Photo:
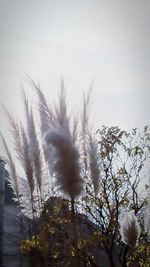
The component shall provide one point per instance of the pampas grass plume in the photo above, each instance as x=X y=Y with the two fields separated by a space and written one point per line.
x=65 y=162
x=94 y=164
x=130 y=230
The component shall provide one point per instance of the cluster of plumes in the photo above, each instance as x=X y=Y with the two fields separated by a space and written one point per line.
x=130 y=230
x=28 y=152
x=60 y=145
x=67 y=144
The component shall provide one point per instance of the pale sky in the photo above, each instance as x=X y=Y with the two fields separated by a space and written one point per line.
x=81 y=40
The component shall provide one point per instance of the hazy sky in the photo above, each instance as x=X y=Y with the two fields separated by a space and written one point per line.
x=81 y=40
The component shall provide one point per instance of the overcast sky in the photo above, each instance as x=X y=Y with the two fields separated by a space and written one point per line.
x=81 y=40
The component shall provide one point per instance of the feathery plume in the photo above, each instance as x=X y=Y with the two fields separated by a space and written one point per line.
x=85 y=112
x=130 y=230
x=94 y=164
x=26 y=159
x=65 y=162
x=15 y=131
x=33 y=144
x=47 y=122
x=35 y=151
x=75 y=129
x=46 y=114
x=13 y=173
x=21 y=143
x=60 y=112
x=26 y=108
x=85 y=125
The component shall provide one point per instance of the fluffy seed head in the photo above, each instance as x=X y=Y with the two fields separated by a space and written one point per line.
x=65 y=162
x=130 y=230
